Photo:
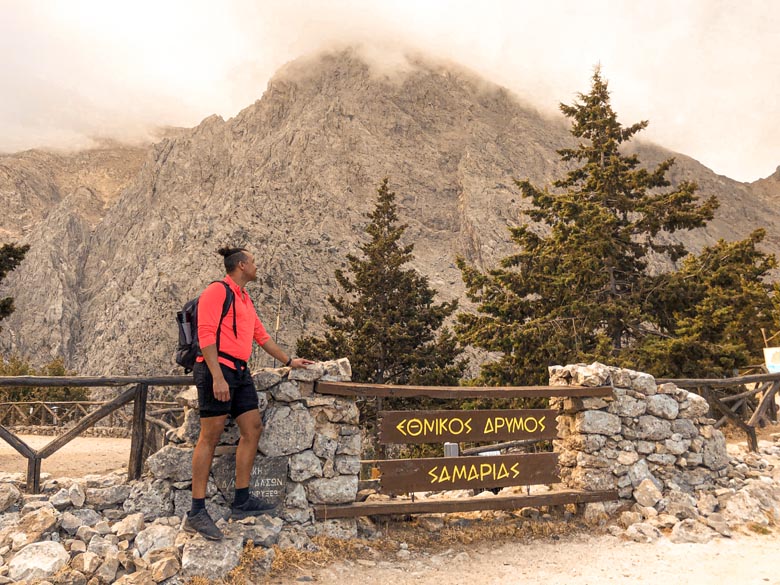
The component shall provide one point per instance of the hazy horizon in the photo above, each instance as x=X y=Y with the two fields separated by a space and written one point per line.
x=705 y=73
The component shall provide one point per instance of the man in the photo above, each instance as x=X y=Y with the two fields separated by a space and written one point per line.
x=225 y=387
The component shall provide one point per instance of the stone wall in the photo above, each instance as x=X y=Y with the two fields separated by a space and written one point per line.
x=309 y=452
x=647 y=441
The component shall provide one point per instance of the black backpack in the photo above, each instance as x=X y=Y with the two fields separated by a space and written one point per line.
x=187 y=320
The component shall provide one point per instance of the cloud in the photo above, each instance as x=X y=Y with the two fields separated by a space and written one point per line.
x=704 y=72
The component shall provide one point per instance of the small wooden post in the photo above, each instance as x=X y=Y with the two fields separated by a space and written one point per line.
x=135 y=466
x=34 y=474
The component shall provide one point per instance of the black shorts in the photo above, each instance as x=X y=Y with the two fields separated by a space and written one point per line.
x=243 y=396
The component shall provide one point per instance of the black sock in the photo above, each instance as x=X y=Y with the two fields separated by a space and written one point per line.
x=198 y=504
x=242 y=495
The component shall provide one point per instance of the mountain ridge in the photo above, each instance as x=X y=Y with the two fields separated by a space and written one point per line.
x=292 y=176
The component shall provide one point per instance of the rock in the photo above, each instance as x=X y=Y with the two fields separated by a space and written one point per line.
x=639 y=472
x=101 y=498
x=36 y=561
x=347 y=464
x=87 y=516
x=691 y=531
x=264 y=532
x=742 y=508
x=714 y=455
x=106 y=573
x=9 y=496
x=430 y=522
x=61 y=499
x=128 y=528
x=188 y=398
x=628 y=406
x=289 y=429
x=719 y=524
x=32 y=527
x=324 y=446
x=694 y=407
x=265 y=379
x=189 y=431
x=595 y=421
x=143 y=577
x=642 y=532
x=662 y=406
x=164 y=568
x=152 y=498
x=342 y=529
x=77 y=494
x=305 y=465
x=286 y=392
x=628 y=518
x=647 y=493
x=685 y=428
x=209 y=559
x=679 y=504
x=86 y=562
x=102 y=546
x=338 y=490
x=154 y=537
x=172 y=463
x=643 y=383
x=308 y=374
x=349 y=445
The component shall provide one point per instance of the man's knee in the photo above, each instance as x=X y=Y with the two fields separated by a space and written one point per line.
x=250 y=425
x=211 y=429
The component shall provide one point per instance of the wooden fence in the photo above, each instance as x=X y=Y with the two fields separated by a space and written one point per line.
x=137 y=393
x=399 y=476
x=734 y=401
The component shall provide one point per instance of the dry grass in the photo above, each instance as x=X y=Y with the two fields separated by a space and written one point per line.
x=759 y=529
x=500 y=528
x=330 y=550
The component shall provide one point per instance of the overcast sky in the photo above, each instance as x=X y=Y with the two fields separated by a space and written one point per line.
x=705 y=73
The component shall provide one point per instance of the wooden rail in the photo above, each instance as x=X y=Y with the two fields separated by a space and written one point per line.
x=138 y=394
x=389 y=391
x=767 y=384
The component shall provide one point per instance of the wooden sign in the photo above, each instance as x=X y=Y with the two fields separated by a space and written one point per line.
x=452 y=473
x=441 y=426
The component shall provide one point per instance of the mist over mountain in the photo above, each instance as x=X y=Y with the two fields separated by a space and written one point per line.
x=122 y=236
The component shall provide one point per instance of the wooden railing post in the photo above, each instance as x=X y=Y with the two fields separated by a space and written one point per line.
x=135 y=466
x=34 y=474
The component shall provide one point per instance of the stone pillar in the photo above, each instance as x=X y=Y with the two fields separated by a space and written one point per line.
x=309 y=452
x=647 y=441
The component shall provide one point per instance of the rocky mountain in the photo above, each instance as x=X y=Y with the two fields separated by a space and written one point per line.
x=291 y=177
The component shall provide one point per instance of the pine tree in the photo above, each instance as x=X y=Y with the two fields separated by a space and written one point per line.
x=712 y=311
x=385 y=318
x=577 y=288
x=11 y=255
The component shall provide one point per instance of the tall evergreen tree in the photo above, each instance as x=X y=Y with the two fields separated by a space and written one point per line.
x=385 y=318
x=577 y=288
x=11 y=255
x=712 y=311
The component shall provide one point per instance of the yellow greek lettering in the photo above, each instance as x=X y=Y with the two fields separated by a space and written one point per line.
x=414 y=427
x=433 y=475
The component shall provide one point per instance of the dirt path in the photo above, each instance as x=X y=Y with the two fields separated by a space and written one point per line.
x=573 y=560
x=82 y=456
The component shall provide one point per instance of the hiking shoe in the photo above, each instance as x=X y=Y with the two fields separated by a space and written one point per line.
x=201 y=523
x=252 y=507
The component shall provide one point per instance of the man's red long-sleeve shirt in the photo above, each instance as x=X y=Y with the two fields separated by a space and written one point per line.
x=248 y=324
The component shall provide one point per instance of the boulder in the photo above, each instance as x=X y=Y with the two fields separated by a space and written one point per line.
x=38 y=561
x=288 y=430
x=209 y=559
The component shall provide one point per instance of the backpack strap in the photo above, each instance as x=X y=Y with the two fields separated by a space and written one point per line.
x=230 y=298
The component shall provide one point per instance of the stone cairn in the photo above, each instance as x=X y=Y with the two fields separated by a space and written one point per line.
x=102 y=529
x=657 y=446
